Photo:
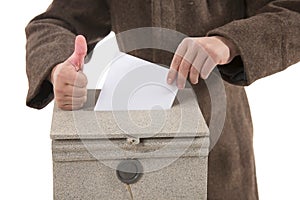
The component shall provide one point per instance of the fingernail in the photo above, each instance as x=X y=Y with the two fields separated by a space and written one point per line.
x=169 y=81
x=77 y=68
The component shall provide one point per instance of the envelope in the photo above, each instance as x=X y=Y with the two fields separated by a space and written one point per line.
x=128 y=82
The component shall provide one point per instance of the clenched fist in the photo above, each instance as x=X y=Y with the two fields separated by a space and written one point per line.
x=198 y=56
x=69 y=83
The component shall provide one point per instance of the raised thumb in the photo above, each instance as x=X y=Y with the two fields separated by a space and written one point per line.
x=77 y=58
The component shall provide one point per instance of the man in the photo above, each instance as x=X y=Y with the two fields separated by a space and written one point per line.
x=247 y=39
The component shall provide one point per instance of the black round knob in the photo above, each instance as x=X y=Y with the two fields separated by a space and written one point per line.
x=129 y=171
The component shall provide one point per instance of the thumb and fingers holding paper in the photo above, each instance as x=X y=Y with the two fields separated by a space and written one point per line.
x=130 y=83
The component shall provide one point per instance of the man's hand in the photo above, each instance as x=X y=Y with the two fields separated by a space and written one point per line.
x=198 y=56
x=69 y=83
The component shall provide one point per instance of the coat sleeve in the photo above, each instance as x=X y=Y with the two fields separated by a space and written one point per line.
x=268 y=41
x=50 y=40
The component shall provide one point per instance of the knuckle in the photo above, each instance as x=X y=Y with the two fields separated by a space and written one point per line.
x=69 y=108
x=75 y=100
x=60 y=76
x=85 y=92
x=76 y=90
x=188 y=60
x=207 y=47
x=57 y=82
x=182 y=45
x=177 y=59
x=59 y=91
x=77 y=107
x=85 y=80
x=184 y=70
x=61 y=107
x=194 y=71
x=81 y=80
x=59 y=99
x=187 y=40
x=59 y=104
x=194 y=44
x=175 y=62
x=185 y=67
x=81 y=92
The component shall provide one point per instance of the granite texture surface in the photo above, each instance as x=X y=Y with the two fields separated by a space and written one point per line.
x=182 y=120
x=184 y=179
x=172 y=147
x=76 y=150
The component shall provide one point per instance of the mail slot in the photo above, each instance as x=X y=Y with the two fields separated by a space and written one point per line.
x=123 y=155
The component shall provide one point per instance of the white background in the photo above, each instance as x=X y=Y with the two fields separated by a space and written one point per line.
x=25 y=146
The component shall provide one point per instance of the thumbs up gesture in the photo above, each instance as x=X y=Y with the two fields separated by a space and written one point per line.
x=69 y=82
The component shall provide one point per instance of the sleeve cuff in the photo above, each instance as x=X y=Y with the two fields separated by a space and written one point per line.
x=43 y=97
x=234 y=72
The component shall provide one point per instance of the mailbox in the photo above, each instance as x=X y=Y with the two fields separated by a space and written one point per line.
x=119 y=155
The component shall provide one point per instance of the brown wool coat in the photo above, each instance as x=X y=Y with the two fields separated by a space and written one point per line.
x=266 y=33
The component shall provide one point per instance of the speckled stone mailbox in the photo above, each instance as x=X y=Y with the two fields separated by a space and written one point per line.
x=121 y=155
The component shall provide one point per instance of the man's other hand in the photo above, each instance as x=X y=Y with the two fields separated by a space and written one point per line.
x=198 y=56
x=69 y=82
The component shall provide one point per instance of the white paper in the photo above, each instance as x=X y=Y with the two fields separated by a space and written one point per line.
x=98 y=61
x=126 y=82
x=135 y=84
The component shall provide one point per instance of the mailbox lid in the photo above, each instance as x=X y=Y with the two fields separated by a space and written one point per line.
x=184 y=119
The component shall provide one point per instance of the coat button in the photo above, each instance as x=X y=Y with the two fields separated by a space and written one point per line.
x=129 y=171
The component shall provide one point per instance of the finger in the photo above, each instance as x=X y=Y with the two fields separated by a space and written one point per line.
x=71 y=91
x=71 y=100
x=207 y=68
x=194 y=75
x=184 y=67
x=183 y=47
x=70 y=107
x=197 y=66
x=172 y=74
x=80 y=50
x=177 y=59
x=75 y=91
x=200 y=59
x=77 y=79
x=66 y=74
